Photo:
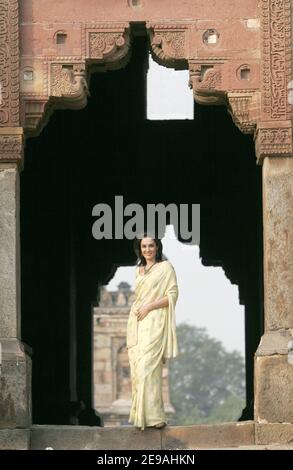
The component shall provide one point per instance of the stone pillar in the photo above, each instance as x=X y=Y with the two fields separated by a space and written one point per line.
x=15 y=372
x=273 y=373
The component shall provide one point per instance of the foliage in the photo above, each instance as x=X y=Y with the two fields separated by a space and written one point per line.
x=207 y=383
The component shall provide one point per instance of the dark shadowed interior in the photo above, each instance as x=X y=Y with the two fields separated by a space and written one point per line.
x=109 y=148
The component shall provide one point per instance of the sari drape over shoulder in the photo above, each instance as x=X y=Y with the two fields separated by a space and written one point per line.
x=150 y=341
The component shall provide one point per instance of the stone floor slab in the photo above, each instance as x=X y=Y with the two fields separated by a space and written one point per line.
x=94 y=438
x=14 y=439
x=208 y=436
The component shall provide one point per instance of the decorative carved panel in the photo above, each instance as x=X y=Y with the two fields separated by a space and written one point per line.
x=9 y=63
x=69 y=84
x=274 y=140
x=64 y=79
x=11 y=145
x=206 y=82
x=107 y=43
x=276 y=58
x=169 y=44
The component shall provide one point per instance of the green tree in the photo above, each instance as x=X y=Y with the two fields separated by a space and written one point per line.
x=207 y=383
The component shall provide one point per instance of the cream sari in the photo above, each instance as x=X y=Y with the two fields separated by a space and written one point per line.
x=150 y=341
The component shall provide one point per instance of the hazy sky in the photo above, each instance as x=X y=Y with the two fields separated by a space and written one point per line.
x=168 y=93
x=206 y=296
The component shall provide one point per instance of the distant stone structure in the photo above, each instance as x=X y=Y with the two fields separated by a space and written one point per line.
x=112 y=382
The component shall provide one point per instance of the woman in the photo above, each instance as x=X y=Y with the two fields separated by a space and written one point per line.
x=151 y=332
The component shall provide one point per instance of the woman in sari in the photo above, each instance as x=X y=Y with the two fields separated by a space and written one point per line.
x=151 y=333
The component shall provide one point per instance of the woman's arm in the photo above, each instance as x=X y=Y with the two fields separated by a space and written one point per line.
x=147 y=308
x=163 y=302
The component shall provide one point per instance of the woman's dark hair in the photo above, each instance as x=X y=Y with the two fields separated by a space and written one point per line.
x=137 y=248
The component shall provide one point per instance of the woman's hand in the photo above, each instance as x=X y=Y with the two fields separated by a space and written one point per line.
x=142 y=312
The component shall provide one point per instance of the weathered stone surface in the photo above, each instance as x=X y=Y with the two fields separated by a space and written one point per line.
x=276 y=433
x=278 y=242
x=93 y=438
x=15 y=385
x=208 y=436
x=14 y=439
x=9 y=254
x=273 y=390
x=274 y=342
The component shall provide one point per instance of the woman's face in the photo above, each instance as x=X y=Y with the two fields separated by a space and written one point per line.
x=148 y=249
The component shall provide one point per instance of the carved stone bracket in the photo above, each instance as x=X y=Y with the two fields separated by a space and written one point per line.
x=66 y=88
x=274 y=139
x=169 y=44
x=68 y=85
x=244 y=108
x=206 y=82
x=65 y=80
x=11 y=145
x=36 y=112
x=210 y=88
x=107 y=45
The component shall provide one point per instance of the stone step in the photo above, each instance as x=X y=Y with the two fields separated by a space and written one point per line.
x=238 y=436
x=129 y=438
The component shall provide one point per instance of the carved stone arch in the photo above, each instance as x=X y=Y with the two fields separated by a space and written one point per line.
x=210 y=79
x=252 y=83
x=62 y=82
x=246 y=65
x=177 y=45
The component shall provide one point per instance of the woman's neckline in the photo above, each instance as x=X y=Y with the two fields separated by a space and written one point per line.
x=144 y=274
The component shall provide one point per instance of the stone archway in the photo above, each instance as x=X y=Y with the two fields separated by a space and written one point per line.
x=249 y=75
